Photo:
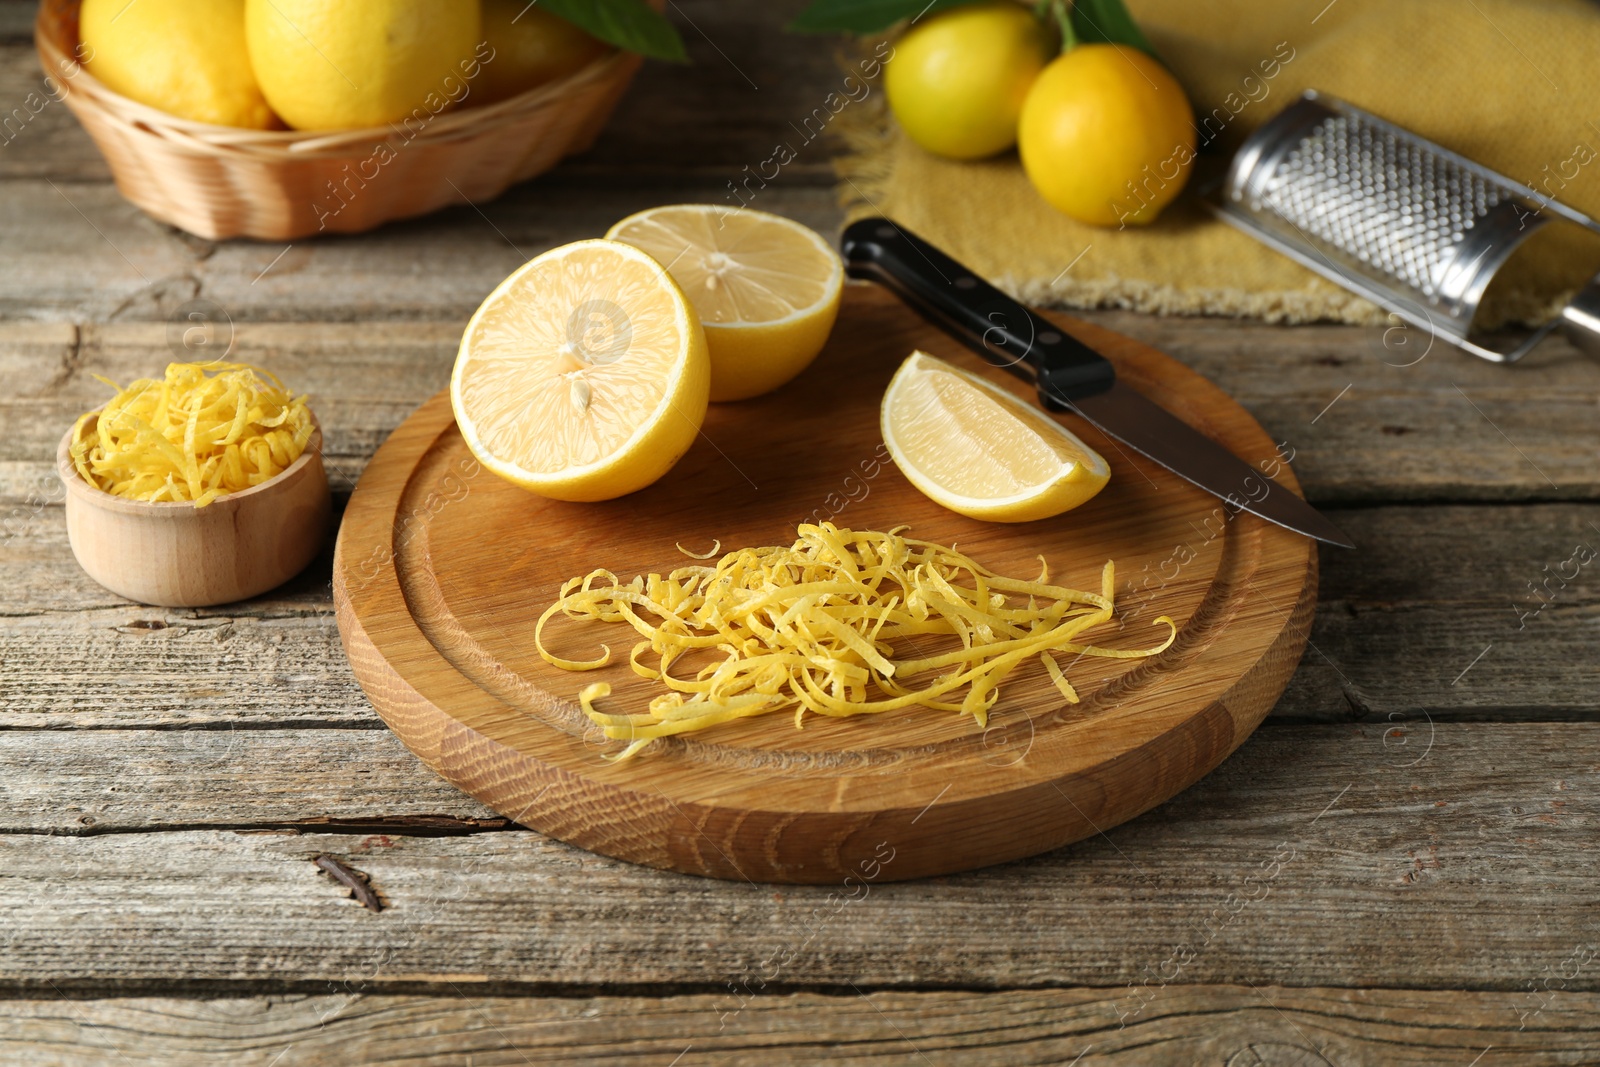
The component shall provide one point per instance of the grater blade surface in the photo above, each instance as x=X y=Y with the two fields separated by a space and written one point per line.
x=1395 y=205
x=1404 y=222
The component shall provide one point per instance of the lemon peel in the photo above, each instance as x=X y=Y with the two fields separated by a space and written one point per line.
x=200 y=432
x=814 y=627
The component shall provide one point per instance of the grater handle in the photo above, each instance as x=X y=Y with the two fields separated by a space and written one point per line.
x=1580 y=319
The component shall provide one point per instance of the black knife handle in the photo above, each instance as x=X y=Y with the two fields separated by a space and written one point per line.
x=976 y=313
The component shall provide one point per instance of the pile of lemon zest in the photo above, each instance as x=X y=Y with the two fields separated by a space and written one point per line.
x=202 y=431
x=813 y=627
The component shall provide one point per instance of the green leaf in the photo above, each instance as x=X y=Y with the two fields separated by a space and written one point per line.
x=864 y=16
x=629 y=24
x=1108 y=22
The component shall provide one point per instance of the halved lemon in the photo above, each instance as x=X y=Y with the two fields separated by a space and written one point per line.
x=976 y=449
x=584 y=375
x=766 y=288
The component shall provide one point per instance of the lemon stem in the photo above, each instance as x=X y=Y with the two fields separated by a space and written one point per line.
x=1062 y=11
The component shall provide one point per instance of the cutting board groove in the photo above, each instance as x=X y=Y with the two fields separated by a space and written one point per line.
x=441 y=571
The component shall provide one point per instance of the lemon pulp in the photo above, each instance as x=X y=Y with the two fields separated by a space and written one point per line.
x=765 y=287
x=584 y=376
x=977 y=450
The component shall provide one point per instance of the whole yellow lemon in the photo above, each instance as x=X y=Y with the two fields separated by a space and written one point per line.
x=956 y=81
x=185 y=57
x=1107 y=135
x=356 y=63
x=529 y=46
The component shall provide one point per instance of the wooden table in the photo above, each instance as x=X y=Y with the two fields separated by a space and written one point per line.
x=1400 y=867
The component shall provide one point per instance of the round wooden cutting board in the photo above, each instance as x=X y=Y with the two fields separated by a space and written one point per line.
x=442 y=570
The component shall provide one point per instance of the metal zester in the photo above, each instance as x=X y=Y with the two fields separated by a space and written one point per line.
x=1411 y=226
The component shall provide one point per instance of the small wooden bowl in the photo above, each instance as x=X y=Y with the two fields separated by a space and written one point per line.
x=177 y=555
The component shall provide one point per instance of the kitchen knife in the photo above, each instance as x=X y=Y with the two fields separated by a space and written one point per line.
x=1069 y=375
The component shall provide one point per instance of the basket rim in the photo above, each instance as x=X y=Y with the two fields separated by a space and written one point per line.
x=445 y=125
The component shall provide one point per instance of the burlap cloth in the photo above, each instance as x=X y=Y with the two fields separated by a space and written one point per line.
x=1513 y=84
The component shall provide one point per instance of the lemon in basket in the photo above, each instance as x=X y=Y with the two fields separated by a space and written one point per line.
x=766 y=288
x=584 y=375
x=530 y=47
x=358 y=63
x=185 y=57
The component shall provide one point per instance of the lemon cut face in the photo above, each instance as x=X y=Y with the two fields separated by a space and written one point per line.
x=765 y=287
x=979 y=451
x=584 y=376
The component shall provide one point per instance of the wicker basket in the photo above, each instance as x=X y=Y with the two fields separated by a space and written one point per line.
x=219 y=181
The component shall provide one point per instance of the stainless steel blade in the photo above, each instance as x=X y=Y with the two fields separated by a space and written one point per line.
x=1126 y=414
x=1060 y=366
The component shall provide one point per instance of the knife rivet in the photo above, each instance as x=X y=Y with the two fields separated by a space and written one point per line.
x=1049 y=337
x=884 y=231
x=966 y=283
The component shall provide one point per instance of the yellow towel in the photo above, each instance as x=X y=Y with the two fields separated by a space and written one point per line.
x=1513 y=84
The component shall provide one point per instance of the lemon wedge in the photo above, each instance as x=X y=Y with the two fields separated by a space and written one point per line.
x=979 y=451
x=766 y=288
x=584 y=375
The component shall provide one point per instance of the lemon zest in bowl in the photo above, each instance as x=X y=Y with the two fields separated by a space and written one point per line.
x=815 y=627
x=202 y=431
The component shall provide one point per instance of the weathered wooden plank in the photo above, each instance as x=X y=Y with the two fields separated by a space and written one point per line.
x=79 y=252
x=1455 y=613
x=727 y=108
x=1468 y=863
x=39 y=138
x=255 y=776
x=16 y=21
x=750 y=85
x=126 y=665
x=1233 y=1025
x=1431 y=617
x=1377 y=415
x=108 y=781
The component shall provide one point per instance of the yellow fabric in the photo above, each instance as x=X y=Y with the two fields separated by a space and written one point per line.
x=1513 y=84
